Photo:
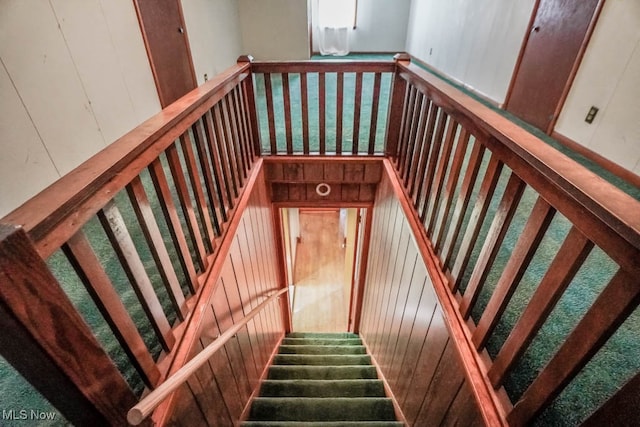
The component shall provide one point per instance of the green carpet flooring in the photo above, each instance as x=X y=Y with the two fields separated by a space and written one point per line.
x=321 y=379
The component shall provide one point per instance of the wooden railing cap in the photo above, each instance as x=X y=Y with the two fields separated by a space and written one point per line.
x=245 y=58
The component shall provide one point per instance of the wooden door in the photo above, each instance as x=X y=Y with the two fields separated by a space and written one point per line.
x=165 y=38
x=558 y=34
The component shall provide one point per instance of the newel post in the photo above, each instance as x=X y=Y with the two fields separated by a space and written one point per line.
x=396 y=107
x=49 y=344
x=250 y=105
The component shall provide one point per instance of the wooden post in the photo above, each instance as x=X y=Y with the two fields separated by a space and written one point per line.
x=394 y=122
x=251 y=106
x=65 y=361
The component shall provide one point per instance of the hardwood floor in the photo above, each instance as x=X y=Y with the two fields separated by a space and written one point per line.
x=321 y=300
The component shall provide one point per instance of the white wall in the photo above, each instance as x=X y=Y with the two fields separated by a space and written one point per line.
x=381 y=26
x=474 y=42
x=213 y=27
x=74 y=77
x=609 y=78
x=275 y=29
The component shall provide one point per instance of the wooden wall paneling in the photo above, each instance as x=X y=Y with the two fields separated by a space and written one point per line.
x=367 y=193
x=196 y=185
x=439 y=179
x=462 y=412
x=448 y=241
x=313 y=172
x=114 y=226
x=90 y=271
x=274 y=171
x=350 y=192
x=187 y=208
x=173 y=223
x=449 y=190
x=211 y=180
x=293 y=172
x=357 y=103
x=568 y=260
x=372 y=172
x=524 y=250
x=431 y=355
x=375 y=105
x=445 y=385
x=614 y=304
x=424 y=198
x=476 y=220
x=322 y=113
x=498 y=229
x=334 y=172
x=34 y=308
x=149 y=226
x=187 y=411
x=354 y=172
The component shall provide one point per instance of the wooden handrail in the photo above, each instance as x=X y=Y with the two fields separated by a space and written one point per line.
x=144 y=408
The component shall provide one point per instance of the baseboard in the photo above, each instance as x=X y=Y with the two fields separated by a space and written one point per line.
x=600 y=160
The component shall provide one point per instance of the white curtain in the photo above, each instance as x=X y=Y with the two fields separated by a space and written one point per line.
x=335 y=21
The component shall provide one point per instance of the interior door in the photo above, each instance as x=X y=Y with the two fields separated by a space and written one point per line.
x=549 y=59
x=167 y=45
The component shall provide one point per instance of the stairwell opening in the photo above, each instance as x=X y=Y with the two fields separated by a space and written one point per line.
x=322 y=248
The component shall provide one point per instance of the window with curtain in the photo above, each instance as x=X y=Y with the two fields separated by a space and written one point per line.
x=336 y=19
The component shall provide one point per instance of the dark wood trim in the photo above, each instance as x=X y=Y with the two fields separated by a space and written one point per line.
x=327 y=66
x=599 y=159
x=282 y=267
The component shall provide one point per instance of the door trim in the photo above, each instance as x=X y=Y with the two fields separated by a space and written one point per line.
x=574 y=68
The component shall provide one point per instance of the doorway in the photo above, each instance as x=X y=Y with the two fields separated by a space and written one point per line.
x=322 y=259
x=551 y=53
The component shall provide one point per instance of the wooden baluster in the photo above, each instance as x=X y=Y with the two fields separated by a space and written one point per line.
x=357 y=102
x=322 y=107
x=426 y=139
x=415 y=139
x=435 y=195
x=405 y=132
x=339 y=111
x=122 y=243
x=235 y=136
x=173 y=221
x=287 y=112
x=521 y=256
x=499 y=226
x=562 y=270
x=221 y=179
x=214 y=193
x=452 y=182
x=396 y=112
x=223 y=147
x=614 y=304
x=142 y=209
x=468 y=182
x=198 y=192
x=245 y=138
x=475 y=220
x=90 y=271
x=375 y=106
x=231 y=149
x=422 y=150
x=270 y=113
x=65 y=361
x=428 y=180
x=187 y=208
x=304 y=101
x=249 y=108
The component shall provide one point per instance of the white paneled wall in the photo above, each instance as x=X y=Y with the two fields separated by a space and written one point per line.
x=609 y=78
x=74 y=77
x=213 y=27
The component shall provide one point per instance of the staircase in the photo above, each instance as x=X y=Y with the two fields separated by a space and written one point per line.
x=320 y=379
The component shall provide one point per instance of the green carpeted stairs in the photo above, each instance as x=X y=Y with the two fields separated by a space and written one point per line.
x=320 y=379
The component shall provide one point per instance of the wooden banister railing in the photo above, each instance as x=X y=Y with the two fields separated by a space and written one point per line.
x=489 y=196
x=143 y=409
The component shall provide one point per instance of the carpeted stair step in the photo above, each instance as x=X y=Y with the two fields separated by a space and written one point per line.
x=315 y=388
x=310 y=372
x=322 y=409
x=322 y=335
x=322 y=341
x=322 y=424
x=322 y=349
x=322 y=359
